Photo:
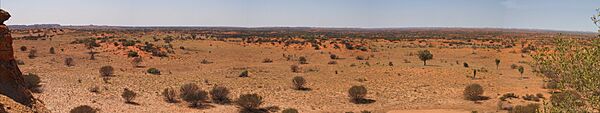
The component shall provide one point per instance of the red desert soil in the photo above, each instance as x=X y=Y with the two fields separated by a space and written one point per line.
x=405 y=87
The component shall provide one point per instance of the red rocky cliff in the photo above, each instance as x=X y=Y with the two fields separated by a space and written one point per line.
x=11 y=79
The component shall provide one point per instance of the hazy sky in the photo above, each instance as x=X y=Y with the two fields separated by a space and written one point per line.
x=539 y=14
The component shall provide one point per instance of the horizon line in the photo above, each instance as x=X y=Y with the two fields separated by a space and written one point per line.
x=324 y=27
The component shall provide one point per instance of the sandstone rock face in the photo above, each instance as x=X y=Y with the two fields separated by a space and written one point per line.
x=11 y=79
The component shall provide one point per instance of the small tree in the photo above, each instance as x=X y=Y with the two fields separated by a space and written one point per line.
x=170 y=94
x=128 y=95
x=497 y=63
x=473 y=92
x=220 y=94
x=52 y=51
x=357 y=94
x=299 y=83
x=425 y=55
x=249 y=102
x=521 y=70
x=474 y=73
x=106 y=71
x=83 y=109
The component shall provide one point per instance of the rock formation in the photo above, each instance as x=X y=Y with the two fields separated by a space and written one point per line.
x=11 y=79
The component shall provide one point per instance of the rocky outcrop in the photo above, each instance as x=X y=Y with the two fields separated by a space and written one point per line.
x=11 y=79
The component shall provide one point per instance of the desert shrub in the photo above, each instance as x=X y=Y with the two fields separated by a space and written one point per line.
x=52 y=51
x=333 y=56
x=332 y=62
x=465 y=65
x=158 y=53
x=360 y=58
x=32 y=82
x=204 y=61
x=69 y=62
x=32 y=54
x=508 y=96
x=513 y=66
x=84 y=109
x=106 y=71
x=289 y=110
x=170 y=95
x=128 y=43
x=153 y=71
x=295 y=68
x=267 y=60
x=192 y=94
x=128 y=95
x=299 y=82
x=529 y=108
x=540 y=95
x=249 y=102
x=425 y=55
x=531 y=97
x=136 y=61
x=365 y=111
x=473 y=92
x=23 y=48
x=357 y=94
x=132 y=54
x=303 y=60
x=220 y=95
x=94 y=89
x=244 y=73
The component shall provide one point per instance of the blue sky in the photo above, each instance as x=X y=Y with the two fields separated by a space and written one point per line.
x=573 y=15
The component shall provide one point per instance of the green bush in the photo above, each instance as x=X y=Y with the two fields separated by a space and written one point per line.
x=153 y=71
